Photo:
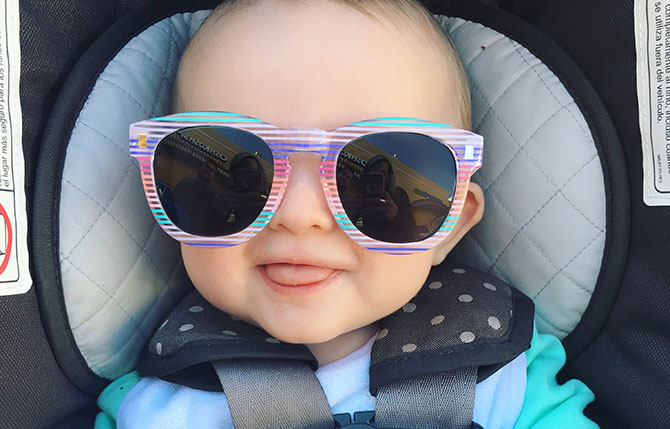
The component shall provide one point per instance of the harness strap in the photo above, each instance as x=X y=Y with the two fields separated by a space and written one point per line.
x=265 y=393
x=439 y=400
x=273 y=393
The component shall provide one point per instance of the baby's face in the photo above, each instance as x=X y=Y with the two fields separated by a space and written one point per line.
x=318 y=65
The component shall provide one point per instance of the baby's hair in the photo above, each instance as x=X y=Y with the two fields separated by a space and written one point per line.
x=411 y=9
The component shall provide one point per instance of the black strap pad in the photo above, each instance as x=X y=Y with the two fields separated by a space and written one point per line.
x=197 y=333
x=462 y=317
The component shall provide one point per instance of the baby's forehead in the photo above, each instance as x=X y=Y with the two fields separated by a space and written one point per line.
x=314 y=49
x=403 y=16
x=406 y=16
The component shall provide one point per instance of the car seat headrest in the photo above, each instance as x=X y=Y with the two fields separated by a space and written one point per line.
x=543 y=230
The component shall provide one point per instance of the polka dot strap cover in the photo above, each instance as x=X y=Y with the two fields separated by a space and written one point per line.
x=197 y=333
x=462 y=317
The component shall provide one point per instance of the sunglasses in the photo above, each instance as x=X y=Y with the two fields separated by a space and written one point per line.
x=395 y=185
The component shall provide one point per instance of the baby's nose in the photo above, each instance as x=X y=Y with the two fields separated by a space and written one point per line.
x=304 y=206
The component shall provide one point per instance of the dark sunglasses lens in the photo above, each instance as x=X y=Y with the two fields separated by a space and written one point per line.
x=213 y=181
x=396 y=187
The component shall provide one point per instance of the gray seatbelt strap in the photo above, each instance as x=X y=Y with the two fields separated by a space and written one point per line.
x=443 y=400
x=273 y=393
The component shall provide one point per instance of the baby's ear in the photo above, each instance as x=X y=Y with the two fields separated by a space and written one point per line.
x=472 y=212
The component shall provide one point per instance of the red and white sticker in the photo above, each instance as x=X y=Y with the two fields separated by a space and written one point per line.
x=14 y=271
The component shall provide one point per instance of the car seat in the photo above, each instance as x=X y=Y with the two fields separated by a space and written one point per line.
x=553 y=93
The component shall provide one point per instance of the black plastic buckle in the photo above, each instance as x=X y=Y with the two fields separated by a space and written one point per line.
x=362 y=419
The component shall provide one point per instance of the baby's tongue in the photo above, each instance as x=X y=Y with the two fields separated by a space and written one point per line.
x=289 y=274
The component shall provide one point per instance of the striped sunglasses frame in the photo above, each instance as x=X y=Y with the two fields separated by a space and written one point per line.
x=466 y=148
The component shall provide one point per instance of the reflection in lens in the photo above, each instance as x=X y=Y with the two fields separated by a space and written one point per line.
x=396 y=187
x=213 y=181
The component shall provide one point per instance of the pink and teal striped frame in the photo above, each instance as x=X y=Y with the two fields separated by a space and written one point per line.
x=465 y=146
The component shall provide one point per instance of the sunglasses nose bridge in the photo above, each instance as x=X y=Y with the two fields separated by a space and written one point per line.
x=314 y=141
x=308 y=140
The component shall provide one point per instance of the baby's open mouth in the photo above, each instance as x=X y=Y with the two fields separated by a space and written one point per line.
x=297 y=275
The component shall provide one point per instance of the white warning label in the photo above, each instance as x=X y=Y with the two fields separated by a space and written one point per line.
x=14 y=271
x=652 y=42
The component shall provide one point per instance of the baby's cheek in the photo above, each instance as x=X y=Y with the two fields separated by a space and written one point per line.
x=196 y=263
x=213 y=274
x=395 y=280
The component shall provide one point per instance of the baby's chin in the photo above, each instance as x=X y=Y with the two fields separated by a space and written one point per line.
x=312 y=335
x=293 y=332
x=292 y=329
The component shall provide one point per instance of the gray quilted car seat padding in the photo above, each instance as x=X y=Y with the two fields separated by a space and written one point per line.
x=543 y=230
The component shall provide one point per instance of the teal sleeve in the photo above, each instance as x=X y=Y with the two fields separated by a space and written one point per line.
x=546 y=403
x=110 y=399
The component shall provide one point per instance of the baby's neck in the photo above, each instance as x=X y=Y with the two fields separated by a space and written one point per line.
x=341 y=346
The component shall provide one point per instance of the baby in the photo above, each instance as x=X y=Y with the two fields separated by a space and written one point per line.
x=302 y=279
